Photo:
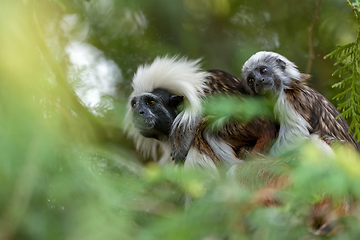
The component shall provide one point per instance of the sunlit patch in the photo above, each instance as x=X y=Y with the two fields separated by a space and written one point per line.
x=93 y=76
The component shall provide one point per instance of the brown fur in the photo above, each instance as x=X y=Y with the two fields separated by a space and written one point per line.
x=255 y=136
x=320 y=113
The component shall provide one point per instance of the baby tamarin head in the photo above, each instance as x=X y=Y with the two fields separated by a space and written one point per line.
x=269 y=71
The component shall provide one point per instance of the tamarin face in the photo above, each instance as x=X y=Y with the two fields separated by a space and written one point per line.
x=269 y=71
x=154 y=112
x=262 y=79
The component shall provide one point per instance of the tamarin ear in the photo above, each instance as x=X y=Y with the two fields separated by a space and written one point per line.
x=281 y=63
x=175 y=100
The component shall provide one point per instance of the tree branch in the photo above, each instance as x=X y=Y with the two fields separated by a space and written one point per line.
x=311 y=37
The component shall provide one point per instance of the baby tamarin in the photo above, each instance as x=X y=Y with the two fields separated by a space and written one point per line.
x=302 y=111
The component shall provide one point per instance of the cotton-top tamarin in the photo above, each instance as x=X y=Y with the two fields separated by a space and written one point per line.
x=302 y=111
x=165 y=112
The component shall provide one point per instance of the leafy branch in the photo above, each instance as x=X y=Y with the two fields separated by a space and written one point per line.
x=348 y=57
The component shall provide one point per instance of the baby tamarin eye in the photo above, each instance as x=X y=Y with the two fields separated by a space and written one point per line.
x=263 y=70
x=150 y=103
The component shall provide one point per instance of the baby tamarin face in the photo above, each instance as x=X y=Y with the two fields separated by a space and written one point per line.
x=268 y=71
x=262 y=79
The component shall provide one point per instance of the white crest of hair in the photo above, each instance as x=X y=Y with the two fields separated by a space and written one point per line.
x=269 y=59
x=177 y=75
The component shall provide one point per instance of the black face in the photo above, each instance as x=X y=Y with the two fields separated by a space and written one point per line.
x=154 y=113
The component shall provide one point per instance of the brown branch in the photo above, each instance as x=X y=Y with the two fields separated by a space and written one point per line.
x=311 y=36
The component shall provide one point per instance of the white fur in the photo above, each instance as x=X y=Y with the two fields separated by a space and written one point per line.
x=321 y=145
x=231 y=174
x=293 y=127
x=222 y=150
x=196 y=160
x=178 y=75
x=294 y=130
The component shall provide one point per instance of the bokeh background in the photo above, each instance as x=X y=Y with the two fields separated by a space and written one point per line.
x=100 y=44
x=67 y=170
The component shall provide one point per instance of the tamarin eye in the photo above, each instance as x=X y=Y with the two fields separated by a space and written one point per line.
x=150 y=103
x=263 y=70
x=250 y=80
x=133 y=104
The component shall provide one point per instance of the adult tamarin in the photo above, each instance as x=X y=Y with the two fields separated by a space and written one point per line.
x=156 y=121
x=302 y=111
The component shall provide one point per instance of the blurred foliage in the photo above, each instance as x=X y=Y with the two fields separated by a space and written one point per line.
x=69 y=172
x=222 y=108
